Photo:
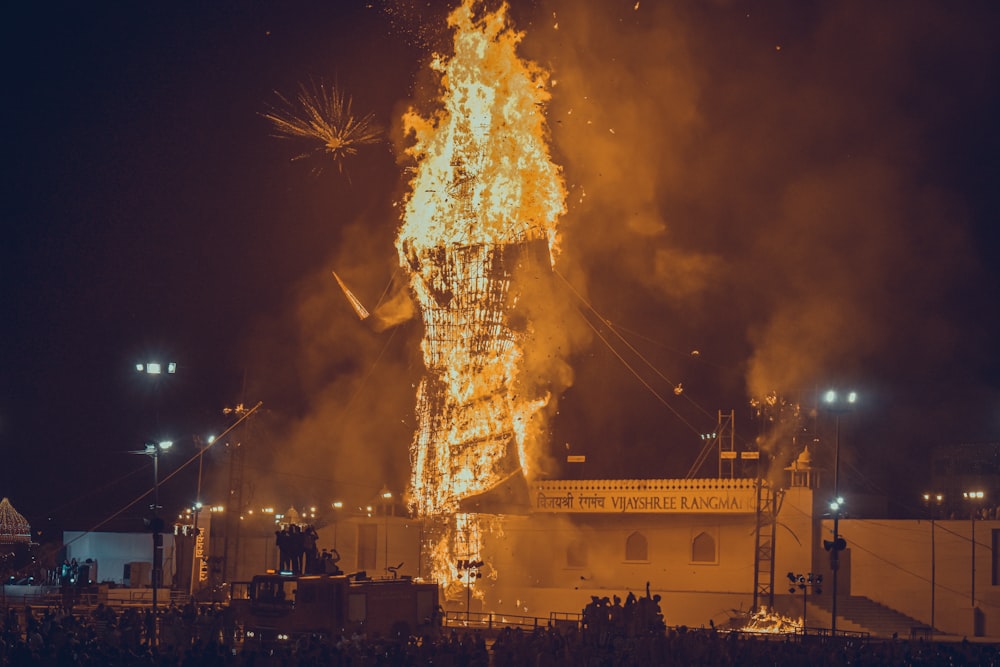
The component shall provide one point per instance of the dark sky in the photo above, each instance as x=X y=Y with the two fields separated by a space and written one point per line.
x=802 y=192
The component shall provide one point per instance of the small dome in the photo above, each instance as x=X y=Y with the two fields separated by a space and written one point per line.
x=14 y=528
x=805 y=458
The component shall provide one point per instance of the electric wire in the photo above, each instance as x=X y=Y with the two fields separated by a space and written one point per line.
x=590 y=307
x=191 y=460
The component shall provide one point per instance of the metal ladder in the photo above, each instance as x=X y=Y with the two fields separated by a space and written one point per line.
x=763 y=573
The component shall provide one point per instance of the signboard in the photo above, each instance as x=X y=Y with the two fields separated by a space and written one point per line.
x=717 y=497
x=200 y=540
x=576 y=458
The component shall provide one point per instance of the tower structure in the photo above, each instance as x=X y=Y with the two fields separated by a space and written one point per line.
x=481 y=214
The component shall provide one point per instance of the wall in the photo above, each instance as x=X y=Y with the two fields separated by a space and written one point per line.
x=557 y=562
x=891 y=564
x=113 y=550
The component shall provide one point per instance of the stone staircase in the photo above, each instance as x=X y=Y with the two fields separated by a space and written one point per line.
x=872 y=617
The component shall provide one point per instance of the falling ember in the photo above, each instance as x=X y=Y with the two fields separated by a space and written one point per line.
x=481 y=214
x=321 y=115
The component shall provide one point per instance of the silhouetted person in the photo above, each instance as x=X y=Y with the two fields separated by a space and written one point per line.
x=297 y=548
x=309 y=539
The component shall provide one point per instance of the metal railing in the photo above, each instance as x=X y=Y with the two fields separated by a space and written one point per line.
x=84 y=600
x=496 y=621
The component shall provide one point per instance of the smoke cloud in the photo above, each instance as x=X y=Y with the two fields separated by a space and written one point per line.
x=759 y=201
x=764 y=185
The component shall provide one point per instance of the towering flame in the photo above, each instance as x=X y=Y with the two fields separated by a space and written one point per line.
x=481 y=214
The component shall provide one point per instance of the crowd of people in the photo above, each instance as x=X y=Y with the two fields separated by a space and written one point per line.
x=612 y=634
x=298 y=551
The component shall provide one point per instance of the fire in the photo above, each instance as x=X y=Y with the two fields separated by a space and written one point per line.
x=765 y=621
x=483 y=208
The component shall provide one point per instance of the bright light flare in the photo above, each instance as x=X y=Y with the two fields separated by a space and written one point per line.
x=155 y=368
x=833 y=398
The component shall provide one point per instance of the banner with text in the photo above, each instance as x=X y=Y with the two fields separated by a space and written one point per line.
x=737 y=500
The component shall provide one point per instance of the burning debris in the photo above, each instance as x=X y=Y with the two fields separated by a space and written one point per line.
x=765 y=621
x=321 y=115
x=355 y=302
x=481 y=215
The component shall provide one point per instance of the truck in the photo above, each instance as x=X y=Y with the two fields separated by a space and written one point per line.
x=281 y=607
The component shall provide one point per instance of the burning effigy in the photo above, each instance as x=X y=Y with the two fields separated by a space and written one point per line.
x=480 y=215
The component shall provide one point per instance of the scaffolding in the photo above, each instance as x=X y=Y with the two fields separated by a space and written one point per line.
x=465 y=442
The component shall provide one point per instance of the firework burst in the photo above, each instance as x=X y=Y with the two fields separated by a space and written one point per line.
x=321 y=115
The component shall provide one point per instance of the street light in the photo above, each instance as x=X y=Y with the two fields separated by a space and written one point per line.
x=154 y=449
x=473 y=569
x=837 y=404
x=337 y=505
x=156 y=368
x=933 y=501
x=805 y=582
x=386 y=496
x=975 y=499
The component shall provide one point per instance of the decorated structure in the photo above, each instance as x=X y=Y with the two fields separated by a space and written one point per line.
x=17 y=551
x=480 y=218
x=14 y=528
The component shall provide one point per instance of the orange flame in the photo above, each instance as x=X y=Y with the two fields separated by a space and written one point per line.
x=767 y=621
x=484 y=200
x=485 y=174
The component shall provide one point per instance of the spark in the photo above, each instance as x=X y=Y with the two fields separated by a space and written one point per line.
x=322 y=115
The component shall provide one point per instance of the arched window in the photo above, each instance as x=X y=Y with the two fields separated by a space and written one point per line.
x=636 y=547
x=576 y=554
x=703 y=548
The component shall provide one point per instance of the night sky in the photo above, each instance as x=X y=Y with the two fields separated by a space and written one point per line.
x=763 y=197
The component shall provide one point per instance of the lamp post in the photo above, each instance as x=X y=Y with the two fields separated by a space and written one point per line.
x=155 y=369
x=837 y=404
x=804 y=582
x=473 y=570
x=154 y=449
x=337 y=505
x=386 y=495
x=975 y=499
x=933 y=501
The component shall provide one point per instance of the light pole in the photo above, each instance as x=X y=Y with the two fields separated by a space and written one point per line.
x=933 y=501
x=337 y=505
x=838 y=405
x=154 y=449
x=155 y=369
x=975 y=498
x=805 y=582
x=473 y=570
x=386 y=495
